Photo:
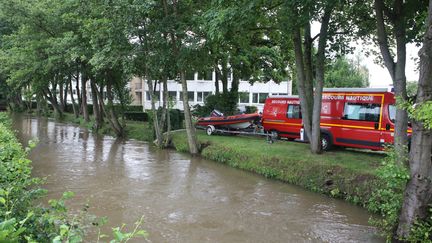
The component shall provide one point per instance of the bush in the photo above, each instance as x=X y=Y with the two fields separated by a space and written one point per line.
x=20 y=220
x=136 y=116
x=387 y=198
x=224 y=102
x=251 y=109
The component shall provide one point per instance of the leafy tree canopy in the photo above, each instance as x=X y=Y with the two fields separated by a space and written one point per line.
x=343 y=72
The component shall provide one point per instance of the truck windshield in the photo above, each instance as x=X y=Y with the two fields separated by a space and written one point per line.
x=392 y=113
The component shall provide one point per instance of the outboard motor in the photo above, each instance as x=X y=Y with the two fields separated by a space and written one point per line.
x=216 y=113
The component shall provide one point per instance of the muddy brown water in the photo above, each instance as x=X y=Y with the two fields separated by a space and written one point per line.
x=182 y=198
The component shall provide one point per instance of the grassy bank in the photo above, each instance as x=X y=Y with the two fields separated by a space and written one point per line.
x=346 y=174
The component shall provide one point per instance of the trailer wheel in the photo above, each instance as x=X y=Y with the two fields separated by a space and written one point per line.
x=326 y=142
x=210 y=129
x=274 y=134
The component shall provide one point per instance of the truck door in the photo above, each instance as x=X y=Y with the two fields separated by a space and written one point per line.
x=387 y=127
x=361 y=125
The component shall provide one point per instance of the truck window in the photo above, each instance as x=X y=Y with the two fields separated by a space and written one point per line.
x=294 y=112
x=392 y=113
x=362 y=112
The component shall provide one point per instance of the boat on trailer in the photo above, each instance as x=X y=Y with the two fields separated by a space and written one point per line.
x=243 y=124
x=236 y=122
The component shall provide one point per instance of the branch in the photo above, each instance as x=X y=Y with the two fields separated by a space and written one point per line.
x=274 y=6
x=315 y=37
x=383 y=38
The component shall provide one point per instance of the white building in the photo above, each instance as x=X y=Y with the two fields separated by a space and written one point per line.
x=198 y=89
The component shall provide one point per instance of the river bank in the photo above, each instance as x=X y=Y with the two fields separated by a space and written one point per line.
x=341 y=173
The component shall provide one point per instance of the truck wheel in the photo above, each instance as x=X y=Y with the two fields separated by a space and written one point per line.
x=274 y=134
x=326 y=142
x=210 y=129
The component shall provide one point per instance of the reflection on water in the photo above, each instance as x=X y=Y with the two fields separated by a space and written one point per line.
x=182 y=198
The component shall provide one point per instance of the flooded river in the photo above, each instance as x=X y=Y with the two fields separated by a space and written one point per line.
x=183 y=199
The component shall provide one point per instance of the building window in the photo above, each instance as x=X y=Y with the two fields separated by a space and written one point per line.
x=191 y=96
x=190 y=75
x=294 y=112
x=262 y=97
x=255 y=97
x=156 y=94
x=202 y=96
x=362 y=112
x=205 y=75
x=259 y=97
x=138 y=96
x=243 y=97
x=138 y=85
x=172 y=95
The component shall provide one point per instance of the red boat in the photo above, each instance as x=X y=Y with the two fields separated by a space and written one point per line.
x=218 y=120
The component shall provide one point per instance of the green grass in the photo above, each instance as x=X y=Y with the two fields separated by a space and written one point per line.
x=340 y=173
x=139 y=131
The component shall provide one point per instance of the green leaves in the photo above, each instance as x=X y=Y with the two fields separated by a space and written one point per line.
x=387 y=198
x=345 y=73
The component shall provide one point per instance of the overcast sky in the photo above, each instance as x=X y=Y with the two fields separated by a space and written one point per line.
x=379 y=76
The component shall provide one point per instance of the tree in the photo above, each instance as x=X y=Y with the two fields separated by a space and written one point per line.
x=243 y=40
x=342 y=72
x=300 y=16
x=397 y=23
x=418 y=193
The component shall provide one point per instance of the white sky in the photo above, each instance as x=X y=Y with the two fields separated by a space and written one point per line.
x=378 y=75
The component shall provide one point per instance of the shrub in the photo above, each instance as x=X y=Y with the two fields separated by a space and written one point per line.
x=20 y=219
x=251 y=109
x=224 y=102
x=136 y=116
x=387 y=198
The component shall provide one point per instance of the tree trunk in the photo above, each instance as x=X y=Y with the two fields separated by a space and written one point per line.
x=65 y=96
x=156 y=126
x=320 y=64
x=217 y=77
x=401 y=124
x=224 y=77
x=96 y=110
x=168 y=120
x=53 y=100
x=75 y=109
x=101 y=101
x=111 y=114
x=418 y=194
x=301 y=79
x=61 y=97
x=78 y=91
x=235 y=82
x=165 y=104
x=308 y=69
x=84 y=97
x=396 y=69
x=190 y=129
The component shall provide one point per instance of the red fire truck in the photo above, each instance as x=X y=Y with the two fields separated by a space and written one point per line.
x=350 y=117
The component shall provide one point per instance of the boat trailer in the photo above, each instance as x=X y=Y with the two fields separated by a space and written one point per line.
x=255 y=130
